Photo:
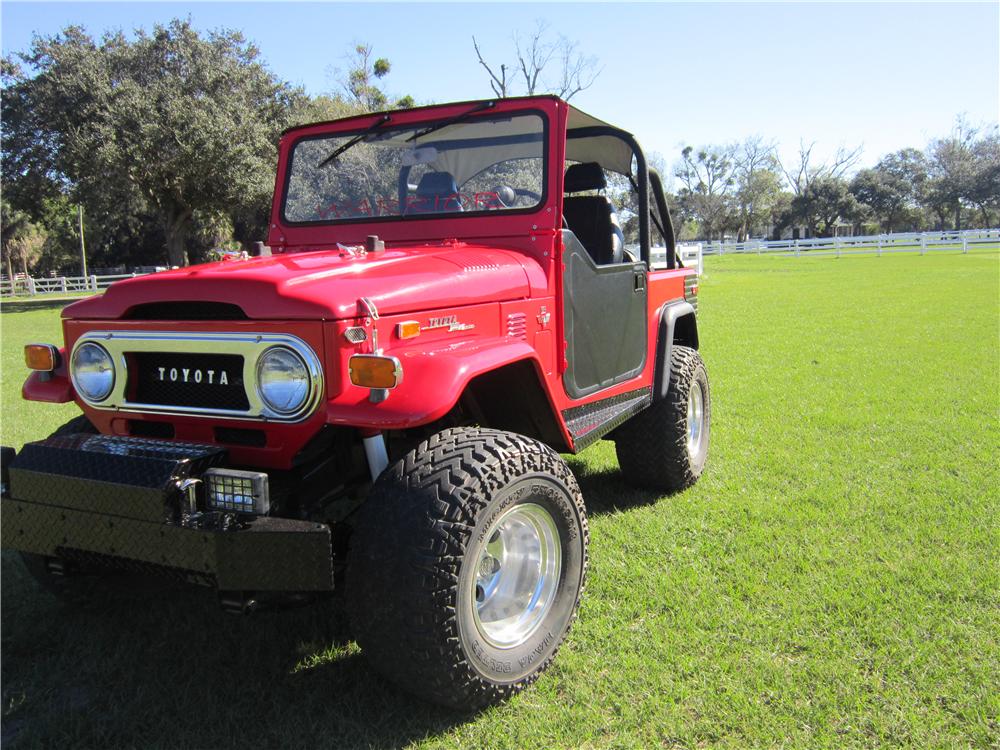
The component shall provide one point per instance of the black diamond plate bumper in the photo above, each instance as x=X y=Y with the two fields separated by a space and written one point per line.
x=116 y=500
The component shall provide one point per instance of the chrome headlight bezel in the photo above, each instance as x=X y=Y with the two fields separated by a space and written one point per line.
x=303 y=384
x=78 y=377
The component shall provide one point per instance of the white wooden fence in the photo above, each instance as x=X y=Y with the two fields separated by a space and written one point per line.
x=26 y=286
x=878 y=244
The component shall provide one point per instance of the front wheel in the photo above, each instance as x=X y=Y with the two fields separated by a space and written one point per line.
x=467 y=565
x=665 y=447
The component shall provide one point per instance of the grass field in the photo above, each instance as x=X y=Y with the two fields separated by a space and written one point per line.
x=832 y=582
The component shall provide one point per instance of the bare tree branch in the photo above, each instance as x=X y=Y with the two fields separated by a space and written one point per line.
x=536 y=53
x=843 y=160
x=535 y=56
x=497 y=83
x=804 y=174
x=578 y=72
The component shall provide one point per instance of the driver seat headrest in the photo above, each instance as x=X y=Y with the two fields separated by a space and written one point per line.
x=437 y=183
x=585 y=176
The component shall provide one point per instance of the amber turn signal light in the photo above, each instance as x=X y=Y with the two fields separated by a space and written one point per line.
x=41 y=357
x=375 y=371
x=408 y=329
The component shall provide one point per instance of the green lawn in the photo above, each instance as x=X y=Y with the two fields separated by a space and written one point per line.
x=833 y=580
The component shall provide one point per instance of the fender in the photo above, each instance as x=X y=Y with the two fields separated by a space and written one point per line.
x=671 y=315
x=433 y=381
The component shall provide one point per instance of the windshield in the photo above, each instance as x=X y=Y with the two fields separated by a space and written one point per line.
x=476 y=166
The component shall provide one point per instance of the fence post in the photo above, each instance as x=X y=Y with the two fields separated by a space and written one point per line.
x=62 y=284
x=965 y=244
x=31 y=286
x=796 y=245
x=93 y=282
x=923 y=243
x=878 y=252
x=836 y=244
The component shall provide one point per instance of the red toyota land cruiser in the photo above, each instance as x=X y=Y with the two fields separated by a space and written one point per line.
x=378 y=403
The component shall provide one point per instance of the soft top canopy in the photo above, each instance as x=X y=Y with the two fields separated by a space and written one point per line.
x=590 y=139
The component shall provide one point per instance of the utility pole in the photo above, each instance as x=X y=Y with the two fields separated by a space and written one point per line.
x=83 y=247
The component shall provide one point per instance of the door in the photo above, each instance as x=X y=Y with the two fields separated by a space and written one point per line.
x=604 y=310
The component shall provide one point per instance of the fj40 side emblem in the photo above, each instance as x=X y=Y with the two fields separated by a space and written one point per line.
x=450 y=322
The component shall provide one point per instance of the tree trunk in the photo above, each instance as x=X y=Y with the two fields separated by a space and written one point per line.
x=958 y=216
x=175 y=227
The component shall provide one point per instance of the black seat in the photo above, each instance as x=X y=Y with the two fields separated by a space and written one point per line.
x=592 y=218
x=437 y=192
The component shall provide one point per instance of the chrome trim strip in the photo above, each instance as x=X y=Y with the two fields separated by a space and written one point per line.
x=248 y=345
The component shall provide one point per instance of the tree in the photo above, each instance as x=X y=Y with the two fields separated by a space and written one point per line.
x=361 y=86
x=891 y=189
x=985 y=192
x=707 y=178
x=952 y=171
x=179 y=121
x=822 y=203
x=534 y=52
x=12 y=224
x=757 y=184
x=25 y=247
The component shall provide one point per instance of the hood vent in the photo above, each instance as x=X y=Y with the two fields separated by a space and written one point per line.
x=186 y=311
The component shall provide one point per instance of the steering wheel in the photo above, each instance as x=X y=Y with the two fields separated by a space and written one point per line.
x=508 y=195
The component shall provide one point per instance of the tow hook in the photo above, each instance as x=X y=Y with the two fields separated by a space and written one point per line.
x=237 y=603
x=248 y=603
x=56 y=567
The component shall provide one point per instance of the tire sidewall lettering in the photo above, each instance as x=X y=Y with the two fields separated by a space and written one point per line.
x=505 y=665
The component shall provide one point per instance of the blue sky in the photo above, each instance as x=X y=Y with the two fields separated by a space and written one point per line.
x=883 y=75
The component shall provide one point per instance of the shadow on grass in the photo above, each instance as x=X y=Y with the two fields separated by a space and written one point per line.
x=606 y=491
x=172 y=670
x=34 y=305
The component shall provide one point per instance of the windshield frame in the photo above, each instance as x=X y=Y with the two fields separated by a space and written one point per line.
x=416 y=126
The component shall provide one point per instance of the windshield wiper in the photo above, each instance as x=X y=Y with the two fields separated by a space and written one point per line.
x=453 y=120
x=355 y=140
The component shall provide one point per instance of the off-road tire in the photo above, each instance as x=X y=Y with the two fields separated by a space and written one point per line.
x=83 y=589
x=411 y=585
x=652 y=447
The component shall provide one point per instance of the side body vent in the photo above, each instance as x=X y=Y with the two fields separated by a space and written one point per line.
x=517 y=325
x=691 y=290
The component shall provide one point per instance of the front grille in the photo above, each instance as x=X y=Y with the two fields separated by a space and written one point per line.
x=204 y=381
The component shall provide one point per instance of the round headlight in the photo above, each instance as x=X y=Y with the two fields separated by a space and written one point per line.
x=93 y=372
x=282 y=380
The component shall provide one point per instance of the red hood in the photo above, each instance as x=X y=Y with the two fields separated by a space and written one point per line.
x=326 y=285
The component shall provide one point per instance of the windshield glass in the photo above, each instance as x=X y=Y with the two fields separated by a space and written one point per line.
x=476 y=166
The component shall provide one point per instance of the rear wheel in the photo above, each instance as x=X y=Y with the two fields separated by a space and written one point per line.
x=467 y=565
x=665 y=447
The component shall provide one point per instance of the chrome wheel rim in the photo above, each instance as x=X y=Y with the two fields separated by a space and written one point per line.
x=516 y=575
x=695 y=418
